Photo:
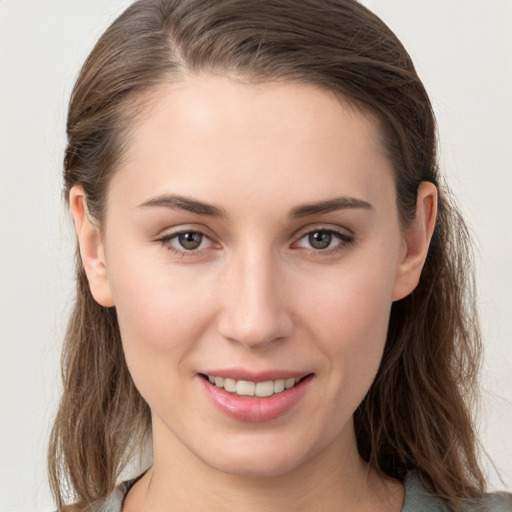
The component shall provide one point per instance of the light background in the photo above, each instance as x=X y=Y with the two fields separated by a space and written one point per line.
x=463 y=52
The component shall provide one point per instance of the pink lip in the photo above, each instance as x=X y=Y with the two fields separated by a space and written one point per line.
x=255 y=409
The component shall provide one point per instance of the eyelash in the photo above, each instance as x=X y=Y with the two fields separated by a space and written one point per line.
x=344 y=240
x=166 y=242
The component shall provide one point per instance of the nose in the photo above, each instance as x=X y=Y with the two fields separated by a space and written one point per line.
x=254 y=302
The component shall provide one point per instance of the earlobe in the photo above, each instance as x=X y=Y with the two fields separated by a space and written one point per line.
x=417 y=241
x=91 y=248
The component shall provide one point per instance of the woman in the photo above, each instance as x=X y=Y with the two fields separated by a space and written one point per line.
x=272 y=284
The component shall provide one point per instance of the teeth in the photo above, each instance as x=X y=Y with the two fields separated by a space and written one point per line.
x=245 y=388
x=289 y=383
x=230 y=385
x=264 y=388
x=278 y=386
x=248 y=388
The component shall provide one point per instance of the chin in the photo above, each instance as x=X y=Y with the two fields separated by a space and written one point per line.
x=257 y=467
x=261 y=459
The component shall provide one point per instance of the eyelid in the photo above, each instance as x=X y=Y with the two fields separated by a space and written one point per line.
x=166 y=237
x=345 y=236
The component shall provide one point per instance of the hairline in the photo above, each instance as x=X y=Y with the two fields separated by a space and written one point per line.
x=142 y=102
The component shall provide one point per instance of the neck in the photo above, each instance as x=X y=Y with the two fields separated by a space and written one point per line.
x=336 y=479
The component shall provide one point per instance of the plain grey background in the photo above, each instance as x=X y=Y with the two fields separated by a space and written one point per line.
x=463 y=52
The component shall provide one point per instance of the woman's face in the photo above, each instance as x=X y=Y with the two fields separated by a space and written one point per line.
x=251 y=238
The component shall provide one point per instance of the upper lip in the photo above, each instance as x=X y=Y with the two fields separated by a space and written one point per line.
x=252 y=376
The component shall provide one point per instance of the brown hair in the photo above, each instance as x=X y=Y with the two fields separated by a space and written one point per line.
x=417 y=414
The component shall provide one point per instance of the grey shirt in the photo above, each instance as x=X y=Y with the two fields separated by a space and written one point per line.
x=417 y=499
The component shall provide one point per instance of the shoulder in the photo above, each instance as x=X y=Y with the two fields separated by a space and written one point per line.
x=114 y=502
x=495 y=502
x=418 y=499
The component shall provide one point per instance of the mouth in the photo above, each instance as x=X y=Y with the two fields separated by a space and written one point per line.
x=256 y=389
x=258 y=400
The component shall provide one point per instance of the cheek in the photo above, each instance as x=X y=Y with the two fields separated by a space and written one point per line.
x=354 y=303
x=162 y=313
x=349 y=320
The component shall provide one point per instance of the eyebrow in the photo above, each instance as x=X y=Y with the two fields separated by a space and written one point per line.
x=177 y=202
x=330 y=205
x=185 y=203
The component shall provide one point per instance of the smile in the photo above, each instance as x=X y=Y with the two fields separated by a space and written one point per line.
x=249 y=388
x=257 y=400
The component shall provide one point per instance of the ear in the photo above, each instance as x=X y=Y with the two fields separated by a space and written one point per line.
x=417 y=241
x=91 y=248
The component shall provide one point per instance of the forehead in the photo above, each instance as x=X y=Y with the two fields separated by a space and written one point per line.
x=218 y=135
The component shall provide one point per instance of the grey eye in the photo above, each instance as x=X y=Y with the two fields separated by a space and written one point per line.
x=320 y=239
x=190 y=240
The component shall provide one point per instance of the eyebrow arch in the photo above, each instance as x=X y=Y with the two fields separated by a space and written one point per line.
x=330 y=205
x=187 y=204
x=200 y=208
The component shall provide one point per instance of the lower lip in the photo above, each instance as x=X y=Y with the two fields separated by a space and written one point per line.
x=255 y=409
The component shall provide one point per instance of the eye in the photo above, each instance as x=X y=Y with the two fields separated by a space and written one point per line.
x=320 y=239
x=326 y=240
x=185 y=243
x=190 y=240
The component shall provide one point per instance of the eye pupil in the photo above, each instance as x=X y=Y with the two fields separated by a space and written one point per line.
x=190 y=240
x=320 y=239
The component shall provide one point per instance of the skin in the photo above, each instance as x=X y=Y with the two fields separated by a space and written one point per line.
x=256 y=293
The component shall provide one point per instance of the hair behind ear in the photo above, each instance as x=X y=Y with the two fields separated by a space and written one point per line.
x=101 y=413
x=418 y=412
